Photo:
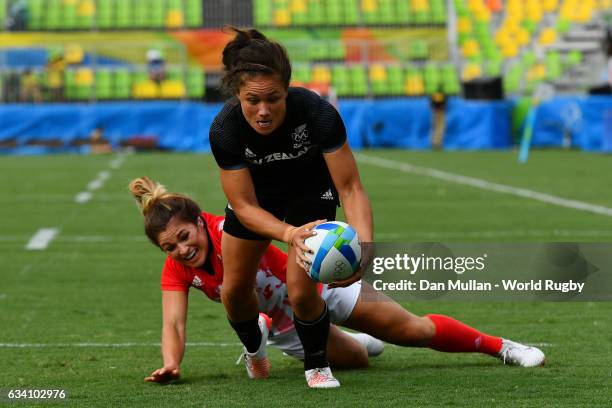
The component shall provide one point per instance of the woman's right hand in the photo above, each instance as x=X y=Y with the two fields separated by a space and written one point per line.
x=164 y=374
x=296 y=237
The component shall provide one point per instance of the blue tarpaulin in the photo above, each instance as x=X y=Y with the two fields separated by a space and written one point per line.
x=476 y=125
x=400 y=123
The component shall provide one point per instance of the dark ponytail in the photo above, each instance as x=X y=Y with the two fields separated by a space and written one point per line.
x=251 y=53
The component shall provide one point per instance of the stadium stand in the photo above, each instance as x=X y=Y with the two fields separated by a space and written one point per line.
x=358 y=48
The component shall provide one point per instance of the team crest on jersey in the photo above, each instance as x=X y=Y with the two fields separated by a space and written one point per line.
x=197 y=282
x=249 y=154
x=300 y=136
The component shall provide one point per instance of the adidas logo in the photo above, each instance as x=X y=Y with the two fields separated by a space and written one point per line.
x=328 y=195
x=197 y=282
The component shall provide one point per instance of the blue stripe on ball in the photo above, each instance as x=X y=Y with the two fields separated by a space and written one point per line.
x=349 y=254
x=326 y=226
x=326 y=245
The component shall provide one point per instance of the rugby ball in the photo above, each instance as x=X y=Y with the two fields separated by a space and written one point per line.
x=337 y=252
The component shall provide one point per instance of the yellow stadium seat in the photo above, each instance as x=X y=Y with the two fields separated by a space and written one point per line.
x=282 y=18
x=321 y=74
x=537 y=72
x=377 y=73
x=298 y=6
x=84 y=77
x=464 y=25
x=510 y=49
x=471 y=71
x=550 y=6
x=174 y=19
x=548 y=36
x=414 y=86
x=470 y=49
x=522 y=37
x=172 y=89
x=73 y=54
x=145 y=90
x=419 y=5
x=369 y=5
x=86 y=8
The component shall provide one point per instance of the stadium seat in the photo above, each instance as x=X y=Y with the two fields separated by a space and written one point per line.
x=196 y=86
x=123 y=84
x=172 y=89
x=395 y=75
x=359 y=80
x=146 y=89
x=340 y=80
x=105 y=14
x=84 y=80
x=104 y=84
x=378 y=80
x=193 y=13
x=432 y=79
x=414 y=85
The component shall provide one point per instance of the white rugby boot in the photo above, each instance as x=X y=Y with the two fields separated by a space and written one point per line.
x=321 y=378
x=521 y=355
x=374 y=346
x=257 y=363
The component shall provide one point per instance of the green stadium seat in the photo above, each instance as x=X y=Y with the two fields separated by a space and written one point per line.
x=123 y=84
x=262 y=10
x=573 y=58
x=341 y=81
x=450 y=80
x=141 y=15
x=193 y=13
x=336 y=50
x=432 y=78
x=2 y=12
x=124 y=14
x=359 y=80
x=35 y=14
x=70 y=85
x=396 y=80
x=104 y=84
x=174 y=73
x=301 y=73
x=196 y=86
x=53 y=15
x=157 y=13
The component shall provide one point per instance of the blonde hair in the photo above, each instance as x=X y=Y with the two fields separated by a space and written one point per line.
x=158 y=206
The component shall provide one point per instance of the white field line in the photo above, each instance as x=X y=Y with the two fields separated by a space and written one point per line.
x=485 y=185
x=41 y=239
x=82 y=197
x=109 y=345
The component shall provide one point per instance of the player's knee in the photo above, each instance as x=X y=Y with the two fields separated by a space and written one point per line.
x=234 y=291
x=418 y=331
x=305 y=303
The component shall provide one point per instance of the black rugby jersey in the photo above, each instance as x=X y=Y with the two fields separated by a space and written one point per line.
x=289 y=161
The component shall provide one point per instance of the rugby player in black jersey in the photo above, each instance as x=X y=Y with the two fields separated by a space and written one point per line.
x=285 y=165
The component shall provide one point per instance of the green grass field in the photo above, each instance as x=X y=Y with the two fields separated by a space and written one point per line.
x=84 y=314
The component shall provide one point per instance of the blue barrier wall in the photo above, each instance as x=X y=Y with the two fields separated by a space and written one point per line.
x=401 y=123
x=585 y=121
x=478 y=125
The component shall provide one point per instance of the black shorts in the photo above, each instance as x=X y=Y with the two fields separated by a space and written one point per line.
x=295 y=212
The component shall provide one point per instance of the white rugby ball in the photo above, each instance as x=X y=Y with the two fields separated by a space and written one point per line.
x=337 y=252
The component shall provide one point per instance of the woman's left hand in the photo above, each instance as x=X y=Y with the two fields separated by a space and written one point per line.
x=296 y=238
